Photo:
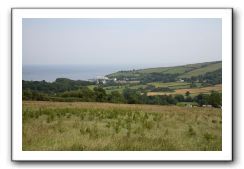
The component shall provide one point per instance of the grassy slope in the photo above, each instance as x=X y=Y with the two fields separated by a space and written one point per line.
x=106 y=126
x=175 y=69
x=185 y=70
x=203 y=70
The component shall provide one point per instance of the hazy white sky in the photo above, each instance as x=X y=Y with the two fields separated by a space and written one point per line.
x=145 y=42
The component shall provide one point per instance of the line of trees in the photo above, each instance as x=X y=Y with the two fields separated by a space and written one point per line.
x=146 y=77
x=129 y=96
x=211 y=78
x=59 y=85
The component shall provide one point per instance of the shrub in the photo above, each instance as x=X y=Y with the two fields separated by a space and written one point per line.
x=191 y=131
x=208 y=136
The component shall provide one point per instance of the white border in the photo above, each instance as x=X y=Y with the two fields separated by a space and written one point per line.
x=19 y=155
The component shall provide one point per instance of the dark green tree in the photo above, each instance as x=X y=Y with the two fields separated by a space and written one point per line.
x=116 y=97
x=215 y=99
x=179 y=98
x=100 y=94
x=131 y=96
x=202 y=99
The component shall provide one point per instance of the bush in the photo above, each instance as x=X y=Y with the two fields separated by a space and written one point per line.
x=191 y=131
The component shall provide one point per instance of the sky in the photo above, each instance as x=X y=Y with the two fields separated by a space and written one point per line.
x=129 y=41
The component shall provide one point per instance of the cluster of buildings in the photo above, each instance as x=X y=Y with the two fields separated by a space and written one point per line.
x=102 y=80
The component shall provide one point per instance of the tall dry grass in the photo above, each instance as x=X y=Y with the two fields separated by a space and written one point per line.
x=106 y=126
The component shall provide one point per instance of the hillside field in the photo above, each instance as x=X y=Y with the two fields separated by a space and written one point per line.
x=82 y=126
x=184 y=71
x=193 y=91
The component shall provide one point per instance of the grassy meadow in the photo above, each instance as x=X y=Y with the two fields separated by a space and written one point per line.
x=83 y=126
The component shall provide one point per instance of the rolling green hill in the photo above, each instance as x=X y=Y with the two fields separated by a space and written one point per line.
x=178 y=72
x=202 y=70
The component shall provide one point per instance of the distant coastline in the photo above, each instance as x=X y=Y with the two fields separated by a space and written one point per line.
x=50 y=73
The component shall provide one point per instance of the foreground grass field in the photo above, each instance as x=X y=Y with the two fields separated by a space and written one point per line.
x=104 y=126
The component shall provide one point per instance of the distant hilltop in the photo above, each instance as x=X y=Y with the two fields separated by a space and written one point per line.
x=167 y=74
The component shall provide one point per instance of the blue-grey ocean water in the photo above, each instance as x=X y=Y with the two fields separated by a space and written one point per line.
x=75 y=72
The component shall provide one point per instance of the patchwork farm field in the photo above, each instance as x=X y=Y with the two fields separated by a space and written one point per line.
x=193 y=91
x=82 y=126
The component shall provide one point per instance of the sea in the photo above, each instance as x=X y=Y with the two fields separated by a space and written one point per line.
x=50 y=73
